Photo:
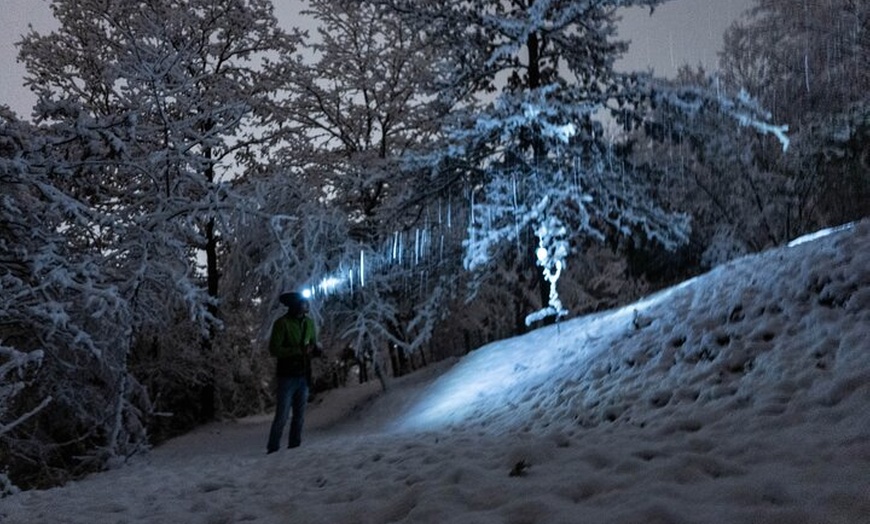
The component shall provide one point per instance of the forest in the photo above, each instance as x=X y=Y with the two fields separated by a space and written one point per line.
x=435 y=175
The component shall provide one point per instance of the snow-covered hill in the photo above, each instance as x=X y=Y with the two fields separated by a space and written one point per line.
x=738 y=397
x=771 y=333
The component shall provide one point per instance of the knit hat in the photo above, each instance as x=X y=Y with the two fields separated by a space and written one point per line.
x=291 y=299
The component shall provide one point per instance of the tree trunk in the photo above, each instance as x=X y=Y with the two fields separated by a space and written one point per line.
x=212 y=276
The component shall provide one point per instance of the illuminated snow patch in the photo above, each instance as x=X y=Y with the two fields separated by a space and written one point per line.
x=489 y=378
x=488 y=381
x=819 y=234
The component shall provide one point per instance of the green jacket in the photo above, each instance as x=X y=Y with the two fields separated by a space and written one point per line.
x=290 y=342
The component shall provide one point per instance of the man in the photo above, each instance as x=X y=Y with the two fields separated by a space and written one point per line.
x=292 y=343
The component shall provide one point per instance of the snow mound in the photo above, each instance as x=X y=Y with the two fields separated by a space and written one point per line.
x=774 y=333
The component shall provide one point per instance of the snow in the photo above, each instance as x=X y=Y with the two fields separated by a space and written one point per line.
x=818 y=234
x=739 y=396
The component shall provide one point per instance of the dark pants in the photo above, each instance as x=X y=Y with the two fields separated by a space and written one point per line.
x=292 y=393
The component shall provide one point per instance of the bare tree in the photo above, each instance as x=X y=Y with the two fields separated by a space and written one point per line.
x=194 y=82
x=362 y=98
x=68 y=402
x=808 y=63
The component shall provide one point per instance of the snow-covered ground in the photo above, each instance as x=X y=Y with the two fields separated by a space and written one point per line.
x=742 y=396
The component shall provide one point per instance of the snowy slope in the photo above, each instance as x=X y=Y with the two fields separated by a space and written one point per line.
x=738 y=397
x=763 y=332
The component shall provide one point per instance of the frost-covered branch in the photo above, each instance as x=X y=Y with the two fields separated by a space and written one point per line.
x=690 y=102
